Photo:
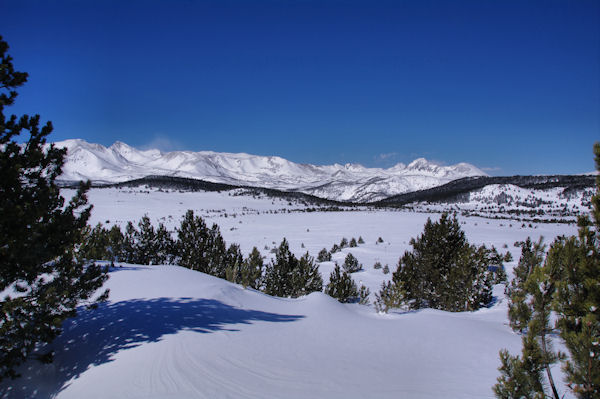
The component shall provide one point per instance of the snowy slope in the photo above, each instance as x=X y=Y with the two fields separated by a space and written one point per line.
x=169 y=332
x=350 y=182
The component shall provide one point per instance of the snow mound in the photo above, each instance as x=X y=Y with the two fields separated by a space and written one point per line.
x=169 y=332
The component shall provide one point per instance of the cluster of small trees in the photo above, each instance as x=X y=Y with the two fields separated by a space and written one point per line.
x=564 y=283
x=201 y=248
x=443 y=271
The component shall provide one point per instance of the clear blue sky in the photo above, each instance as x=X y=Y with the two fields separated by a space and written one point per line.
x=510 y=86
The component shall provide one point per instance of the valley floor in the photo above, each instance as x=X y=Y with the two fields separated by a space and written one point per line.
x=169 y=332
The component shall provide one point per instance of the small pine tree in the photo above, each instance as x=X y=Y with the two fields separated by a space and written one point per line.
x=377 y=265
x=115 y=244
x=95 y=243
x=192 y=243
x=390 y=296
x=234 y=264
x=363 y=295
x=360 y=240
x=353 y=243
x=351 y=264
x=165 y=247
x=145 y=242
x=344 y=243
x=252 y=270
x=129 y=253
x=324 y=256
x=286 y=276
x=335 y=248
x=341 y=286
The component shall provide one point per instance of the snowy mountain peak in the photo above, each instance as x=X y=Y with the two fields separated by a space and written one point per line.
x=349 y=182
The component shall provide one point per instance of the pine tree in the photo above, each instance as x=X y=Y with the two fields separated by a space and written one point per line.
x=192 y=243
x=128 y=249
x=165 y=246
x=519 y=312
x=567 y=283
x=278 y=275
x=360 y=240
x=115 y=244
x=307 y=277
x=353 y=243
x=324 y=256
x=577 y=301
x=443 y=271
x=252 y=270
x=217 y=252
x=351 y=264
x=95 y=243
x=234 y=264
x=286 y=276
x=146 y=245
x=341 y=286
x=42 y=281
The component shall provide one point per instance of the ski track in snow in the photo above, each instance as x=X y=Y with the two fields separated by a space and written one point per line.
x=169 y=332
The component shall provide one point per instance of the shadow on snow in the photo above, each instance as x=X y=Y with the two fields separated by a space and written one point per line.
x=96 y=335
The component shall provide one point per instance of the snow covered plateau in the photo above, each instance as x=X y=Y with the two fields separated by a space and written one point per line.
x=168 y=332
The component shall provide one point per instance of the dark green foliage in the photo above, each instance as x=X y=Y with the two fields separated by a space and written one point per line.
x=234 y=262
x=217 y=252
x=344 y=243
x=42 y=280
x=532 y=292
x=335 y=248
x=363 y=295
x=519 y=312
x=252 y=270
x=341 y=286
x=390 y=296
x=377 y=265
x=95 y=243
x=521 y=377
x=286 y=276
x=353 y=243
x=115 y=244
x=351 y=264
x=443 y=271
x=324 y=256
x=568 y=284
x=360 y=240
x=386 y=269
x=192 y=243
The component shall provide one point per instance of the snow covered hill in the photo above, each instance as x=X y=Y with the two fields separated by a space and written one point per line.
x=169 y=332
x=350 y=182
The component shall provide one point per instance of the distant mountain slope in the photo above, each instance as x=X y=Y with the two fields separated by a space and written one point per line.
x=351 y=182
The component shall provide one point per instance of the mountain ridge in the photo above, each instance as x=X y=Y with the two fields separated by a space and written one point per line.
x=349 y=182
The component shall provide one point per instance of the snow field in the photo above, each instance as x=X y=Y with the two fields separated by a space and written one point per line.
x=169 y=332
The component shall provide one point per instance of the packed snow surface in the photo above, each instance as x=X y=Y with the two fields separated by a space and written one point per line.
x=350 y=182
x=169 y=332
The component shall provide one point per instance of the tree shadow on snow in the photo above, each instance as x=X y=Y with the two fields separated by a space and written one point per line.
x=96 y=335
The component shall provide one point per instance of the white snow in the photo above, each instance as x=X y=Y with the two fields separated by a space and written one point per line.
x=351 y=182
x=169 y=332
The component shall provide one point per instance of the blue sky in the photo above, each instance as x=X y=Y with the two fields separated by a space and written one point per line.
x=512 y=87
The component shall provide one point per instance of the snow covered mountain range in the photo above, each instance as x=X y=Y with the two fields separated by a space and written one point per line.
x=351 y=182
